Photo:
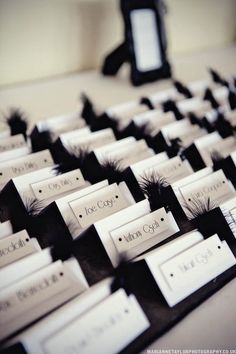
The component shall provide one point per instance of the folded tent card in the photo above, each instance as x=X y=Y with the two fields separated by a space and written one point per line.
x=29 y=194
x=121 y=321
x=66 y=217
x=42 y=291
x=121 y=237
x=180 y=271
x=23 y=165
x=17 y=246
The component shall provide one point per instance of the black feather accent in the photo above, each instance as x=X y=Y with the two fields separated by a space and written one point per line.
x=217 y=78
x=112 y=170
x=197 y=207
x=232 y=99
x=153 y=187
x=42 y=141
x=103 y=121
x=170 y=106
x=88 y=112
x=216 y=156
x=223 y=126
x=234 y=82
x=208 y=96
x=183 y=89
x=175 y=147
x=71 y=160
x=147 y=102
x=17 y=122
x=194 y=119
x=33 y=206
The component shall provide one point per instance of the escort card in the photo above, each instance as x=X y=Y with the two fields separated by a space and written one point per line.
x=33 y=338
x=126 y=111
x=58 y=185
x=39 y=293
x=204 y=143
x=93 y=140
x=169 y=94
x=121 y=320
x=24 y=165
x=171 y=170
x=98 y=205
x=180 y=275
x=215 y=187
x=14 y=153
x=5 y=229
x=157 y=225
x=194 y=105
x=130 y=154
x=101 y=153
x=224 y=147
x=17 y=246
x=13 y=272
x=184 y=130
x=133 y=230
x=140 y=167
x=154 y=119
x=4 y=131
x=12 y=142
x=68 y=136
x=229 y=211
x=63 y=123
x=63 y=205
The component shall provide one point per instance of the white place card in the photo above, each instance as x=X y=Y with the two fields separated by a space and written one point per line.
x=23 y=165
x=93 y=140
x=133 y=230
x=98 y=205
x=33 y=337
x=63 y=205
x=54 y=122
x=154 y=119
x=224 y=147
x=194 y=105
x=214 y=187
x=14 y=153
x=17 y=246
x=180 y=275
x=68 y=136
x=140 y=167
x=204 y=143
x=130 y=154
x=13 y=272
x=157 y=225
x=126 y=111
x=5 y=131
x=5 y=229
x=172 y=169
x=102 y=152
x=121 y=320
x=12 y=142
x=39 y=293
x=169 y=94
x=58 y=185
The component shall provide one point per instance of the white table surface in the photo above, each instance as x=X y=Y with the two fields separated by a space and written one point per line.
x=213 y=324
